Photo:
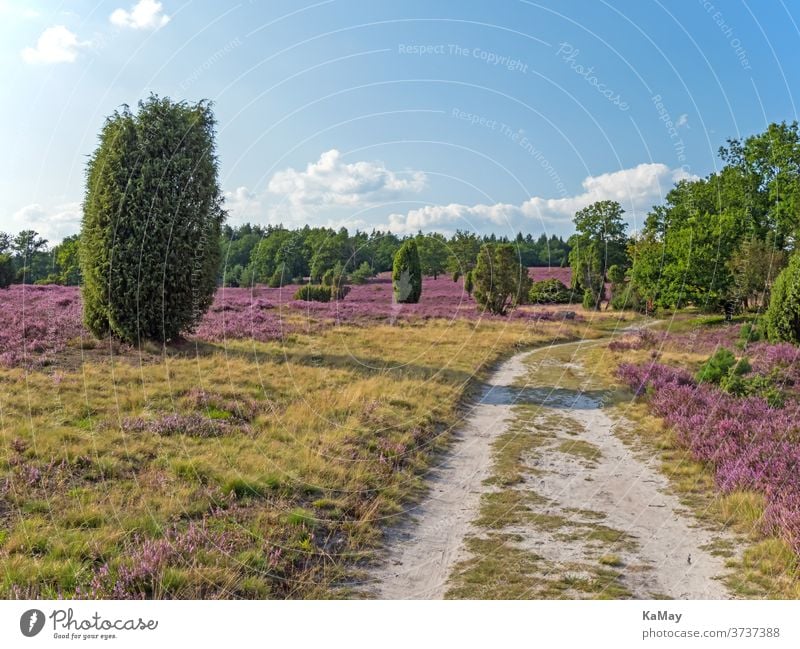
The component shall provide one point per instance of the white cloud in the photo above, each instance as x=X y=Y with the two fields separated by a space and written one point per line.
x=145 y=14
x=636 y=189
x=53 y=223
x=331 y=182
x=683 y=120
x=55 y=45
x=243 y=205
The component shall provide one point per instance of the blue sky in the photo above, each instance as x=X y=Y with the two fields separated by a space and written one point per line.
x=493 y=116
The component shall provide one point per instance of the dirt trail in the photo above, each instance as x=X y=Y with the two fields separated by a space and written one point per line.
x=660 y=543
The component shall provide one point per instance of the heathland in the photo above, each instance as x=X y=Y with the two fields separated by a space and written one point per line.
x=250 y=411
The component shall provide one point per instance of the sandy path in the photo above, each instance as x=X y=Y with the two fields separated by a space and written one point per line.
x=422 y=551
x=629 y=491
x=669 y=559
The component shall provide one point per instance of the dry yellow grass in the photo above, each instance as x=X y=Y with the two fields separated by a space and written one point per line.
x=287 y=503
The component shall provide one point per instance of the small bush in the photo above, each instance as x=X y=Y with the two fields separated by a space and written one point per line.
x=469 y=283
x=193 y=425
x=722 y=367
x=313 y=293
x=757 y=385
x=361 y=274
x=750 y=333
x=627 y=297
x=335 y=281
x=549 y=291
x=589 y=300
x=501 y=282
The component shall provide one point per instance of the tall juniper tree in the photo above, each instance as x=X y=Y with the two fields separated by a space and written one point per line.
x=783 y=315
x=152 y=221
x=500 y=281
x=407 y=274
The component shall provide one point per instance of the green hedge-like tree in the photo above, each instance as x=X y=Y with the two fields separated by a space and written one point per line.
x=500 y=281
x=152 y=221
x=407 y=274
x=469 y=284
x=6 y=270
x=783 y=315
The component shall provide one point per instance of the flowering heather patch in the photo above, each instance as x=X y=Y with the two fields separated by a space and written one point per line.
x=45 y=477
x=193 y=425
x=242 y=313
x=263 y=313
x=704 y=339
x=373 y=301
x=539 y=273
x=782 y=361
x=750 y=445
x=141 y=569
x=212 y=404
x=37 y=322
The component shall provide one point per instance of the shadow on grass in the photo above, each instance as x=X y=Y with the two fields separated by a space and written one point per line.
x=362 y=366
x=550 y=397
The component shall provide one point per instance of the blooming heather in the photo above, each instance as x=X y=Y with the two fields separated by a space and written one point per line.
x=38 y=322
x=143 y=564
x=749 y=444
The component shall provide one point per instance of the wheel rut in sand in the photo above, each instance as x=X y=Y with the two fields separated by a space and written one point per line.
x=539 y=498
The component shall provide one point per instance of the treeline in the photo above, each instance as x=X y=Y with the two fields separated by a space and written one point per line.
x=718 y=243
x=274 y=255
x=27 y=259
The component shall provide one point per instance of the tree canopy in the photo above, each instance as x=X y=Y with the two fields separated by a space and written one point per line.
x=719 y=242
x=599 y=242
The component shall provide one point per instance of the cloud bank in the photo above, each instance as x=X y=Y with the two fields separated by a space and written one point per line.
x=637 y=189
x=331 y=182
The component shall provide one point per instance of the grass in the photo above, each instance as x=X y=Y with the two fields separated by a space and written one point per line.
x=289 y=501
x=499 y=568
x=581 y=449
